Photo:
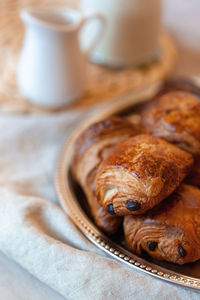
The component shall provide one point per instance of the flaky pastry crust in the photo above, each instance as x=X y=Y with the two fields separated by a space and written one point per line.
x=175 y=116
x=139 y=174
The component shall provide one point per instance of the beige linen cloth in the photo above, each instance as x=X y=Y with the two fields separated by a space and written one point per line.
x=38 y=235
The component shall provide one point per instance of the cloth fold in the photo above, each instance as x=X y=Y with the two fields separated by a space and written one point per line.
x=39 y=236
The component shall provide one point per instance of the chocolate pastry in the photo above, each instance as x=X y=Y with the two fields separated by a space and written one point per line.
x=175 y=116
x=140 y=173
x=91 y=147
x=171 y=230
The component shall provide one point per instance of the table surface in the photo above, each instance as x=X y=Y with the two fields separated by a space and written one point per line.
x=181 y=17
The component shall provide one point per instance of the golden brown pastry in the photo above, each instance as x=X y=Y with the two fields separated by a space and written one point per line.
x=91 y=147
x=175 y=116
x=172 y=85
x=170 y=231
x=139 y=174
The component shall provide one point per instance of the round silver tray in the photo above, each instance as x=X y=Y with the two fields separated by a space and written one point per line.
x=187 y=275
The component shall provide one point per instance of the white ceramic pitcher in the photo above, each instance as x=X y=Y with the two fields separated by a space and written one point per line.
x=52 y=65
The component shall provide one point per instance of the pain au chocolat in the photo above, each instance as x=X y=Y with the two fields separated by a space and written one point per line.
x=170 y=231
x=175 y=116
x=92 y=146
x=139 y=174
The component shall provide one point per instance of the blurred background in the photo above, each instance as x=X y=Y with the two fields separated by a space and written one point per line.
x=181 y=17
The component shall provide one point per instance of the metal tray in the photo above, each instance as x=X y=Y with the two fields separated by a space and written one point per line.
x=72 y=200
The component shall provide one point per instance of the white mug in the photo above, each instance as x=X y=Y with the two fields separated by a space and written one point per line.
x=131 y=36
x=52 y=66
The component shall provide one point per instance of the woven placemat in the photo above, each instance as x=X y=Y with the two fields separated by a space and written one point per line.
x=103 y=83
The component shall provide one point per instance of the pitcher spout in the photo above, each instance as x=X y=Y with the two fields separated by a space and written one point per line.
x=53 y=19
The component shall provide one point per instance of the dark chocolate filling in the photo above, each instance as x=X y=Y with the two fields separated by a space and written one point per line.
x=182 y=251
x=132 y=205
x=110 y=209
x=152 y=245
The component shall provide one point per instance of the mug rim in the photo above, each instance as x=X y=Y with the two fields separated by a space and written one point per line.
x=29 y=16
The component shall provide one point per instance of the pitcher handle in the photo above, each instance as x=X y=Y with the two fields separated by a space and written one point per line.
x=88 y=17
